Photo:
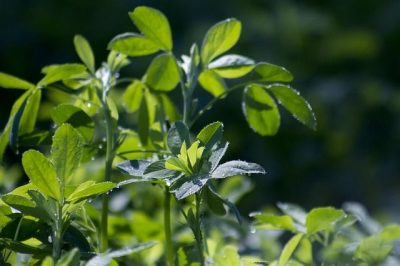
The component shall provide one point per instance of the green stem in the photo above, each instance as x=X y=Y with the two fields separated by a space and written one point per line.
x=57 y=235
x=167 y=227
x=198 y=233
x=107 y=176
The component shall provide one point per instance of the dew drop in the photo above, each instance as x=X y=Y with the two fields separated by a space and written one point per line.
x=93 y=158
x=89 y=105
x=252 y=230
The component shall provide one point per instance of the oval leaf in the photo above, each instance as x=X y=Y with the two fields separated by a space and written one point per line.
x=56 y=73
x=41 y=173
x=232 y=66
x=321 y=219
x=295 y=104
x=153 y=24
x=84 y=52
x=66 y=151
x=273 y=73
x=10 y=82
x=260 y=111
x=133 y=95
x=88 y=190
x=133 y=44
x=220 y=38
x=211 y=135
x=211 y=82
x=163 y=73
x=237 y=167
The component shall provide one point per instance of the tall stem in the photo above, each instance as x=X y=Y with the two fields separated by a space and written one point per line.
x=167 y=227
x=107 y=176
x=57 y=235
x=199 y=234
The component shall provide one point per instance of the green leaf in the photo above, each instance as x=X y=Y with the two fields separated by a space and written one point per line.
x=56 y=73
x=154 y=25
x=217 y=155
x=48 y=207
x=390 y=232
x=232 y=66
x=220 y=38
x=66 y=151
x=70 y=258
x=41 y=173
x=294 y=211
x=321 y=219
x=89 y=189
x=10 y=82
x=233 y=168
x=289 y=248
x=214 y=202
x=157 y=170
x=211 y=82
x=373 y=250
x=144 y=123
x=274 y=222
x=84 y=52
x=163 y=73
x=28 y=119
x=273 y=73
x=24 y=205
x=133 y=95
x=105 y=259
x=170 y=109
x=133 y=44
x=188 y=185
x=260 y=111
x=211 y=135
x=177 y=135
x=295 y=104
x=133 y=168
x=229 y=256
x=75 y=116
x=21 y=247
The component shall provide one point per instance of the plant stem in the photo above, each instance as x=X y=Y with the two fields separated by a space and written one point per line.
x=198 y=233
x=167 y=227
x=57 y=235
x=107 y=176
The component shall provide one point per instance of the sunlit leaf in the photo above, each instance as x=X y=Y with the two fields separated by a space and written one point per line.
x=220 y=38
x=211 y=135
x=84 y=52
x=320 y=219
x=289 y=248
x=273 y=73
x=56 y=73
x=133 y=44
x=89 y=189
x=211 y=82
x=133 y=96
x=163 y=73
x=154 y=25
x=232 y=66
x=11 y=82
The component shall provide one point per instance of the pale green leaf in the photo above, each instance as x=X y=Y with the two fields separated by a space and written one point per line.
x=211 y=135
x=273 y=73
x=133 y=96
x=295 y=104
x=274 y=222
x=154 y=25
x=66 y=151
x=232 y=66
x=289 y=248
x=211 y=82
x=220 y=38
x=321 y=219
x=260 y=111
x=56 y=73
x=133 y=44
x=163 y=73
x=228 y=256
x=41 y=173
x=11 y=82
x=84 y=52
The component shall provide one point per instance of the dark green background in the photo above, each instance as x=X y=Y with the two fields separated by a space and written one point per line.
x=345 y=57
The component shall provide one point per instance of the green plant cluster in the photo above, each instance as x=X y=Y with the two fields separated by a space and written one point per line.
x=121 y=178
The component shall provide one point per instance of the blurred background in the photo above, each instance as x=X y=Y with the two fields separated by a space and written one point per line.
x=345 y=56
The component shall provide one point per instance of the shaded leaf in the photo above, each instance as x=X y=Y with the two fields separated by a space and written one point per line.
x=188 y=185
x=133 y=168
x=295 y=104
x=177 y=135
x=260 y=111
x=211 y=135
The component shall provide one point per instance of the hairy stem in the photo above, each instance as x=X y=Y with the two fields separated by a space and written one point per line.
x=167 y=227
x=107 y=176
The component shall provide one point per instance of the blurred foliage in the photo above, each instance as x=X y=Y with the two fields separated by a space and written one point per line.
x=344 y=55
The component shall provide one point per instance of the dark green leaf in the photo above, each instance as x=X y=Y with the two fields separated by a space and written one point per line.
x=144 y=123
x=133 y=168
x=10 y=82
x=214 y=203
x=260 y=111
x=177 y=135
x=188 y=185
x=21 y=248
x=295 y=104
x=84 y=52
x=41 y=173
x=232 y=66
x=163 y=73
x=233 y=168
x=133 y=44
x=220 y=38
x=154 y=25
x=70 y=258
x=76 y=238
x=273 y=73
x=82 y=122
x=211 y=82
x=46 y=206
x=217 y=155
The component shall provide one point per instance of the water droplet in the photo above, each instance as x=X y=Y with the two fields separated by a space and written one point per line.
x=93 y=158
x=89 y=105
x=104 y=139
x=101 y=146
x=252 y=230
